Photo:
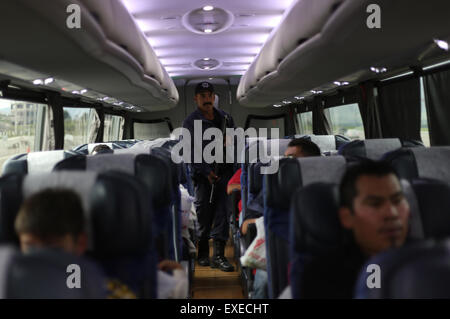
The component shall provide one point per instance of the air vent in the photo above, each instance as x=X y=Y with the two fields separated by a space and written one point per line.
x=245 y=15
x=208 y=22
x=207 y=65
x=170 y=18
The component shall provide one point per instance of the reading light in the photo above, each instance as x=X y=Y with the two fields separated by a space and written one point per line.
x=83 y=91
x=38 y=82
x=208 y=30
x=206 y=59
x=442 y=44
x=48 y=81
x=208 y=8
x=277 y=105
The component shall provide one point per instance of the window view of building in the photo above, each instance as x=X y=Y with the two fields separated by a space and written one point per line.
x=18 y=127
x=80 y=126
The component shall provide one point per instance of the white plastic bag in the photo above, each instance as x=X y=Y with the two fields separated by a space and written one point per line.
x=255 y=255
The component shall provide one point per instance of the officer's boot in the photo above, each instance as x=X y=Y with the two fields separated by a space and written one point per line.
x=219 y=260
x=203 y=252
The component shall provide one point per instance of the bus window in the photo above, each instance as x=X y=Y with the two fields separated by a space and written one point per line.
x=113 y=128
x=304 y=121
x=424 y=132
x=80 y=126
x=151 y=129
x=21 y=125
x=346 y=120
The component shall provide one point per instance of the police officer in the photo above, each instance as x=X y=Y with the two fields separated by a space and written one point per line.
x=212 y=212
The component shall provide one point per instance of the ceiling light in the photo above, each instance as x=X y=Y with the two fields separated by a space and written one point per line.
x=341 y=83
x=38 y=82
x=210 y=78
x=83 y=91
x=208 y=8
x=277 y=105
x=442 y=44
x=378 y=70
x=299 y=97
x=75 y=92
x=48 y=81
x=206 y=68
x=208 y=30
x=206 y=59
x=286 y=102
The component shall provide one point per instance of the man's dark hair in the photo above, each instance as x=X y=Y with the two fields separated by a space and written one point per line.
x=102 y=148
x=347 y=188
x=308 y=148
x=51 y=214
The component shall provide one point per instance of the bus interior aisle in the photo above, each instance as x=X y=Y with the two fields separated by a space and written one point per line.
x=224 y=149
x=211 y=283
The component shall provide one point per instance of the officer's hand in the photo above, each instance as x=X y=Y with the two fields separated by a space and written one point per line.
x=212 y=178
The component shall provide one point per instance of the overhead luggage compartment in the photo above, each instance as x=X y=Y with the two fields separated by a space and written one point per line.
x=321 y=44
x=108 y=57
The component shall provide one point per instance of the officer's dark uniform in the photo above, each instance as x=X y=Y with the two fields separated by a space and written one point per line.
x=212 y=217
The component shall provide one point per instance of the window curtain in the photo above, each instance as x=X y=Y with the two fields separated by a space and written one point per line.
x=368 y=107
x=437 y=97
x=399 y=109
x=321 y=122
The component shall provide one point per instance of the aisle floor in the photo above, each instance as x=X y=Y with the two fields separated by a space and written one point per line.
x=212 y=283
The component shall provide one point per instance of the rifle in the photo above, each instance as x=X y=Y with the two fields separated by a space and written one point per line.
x=216 y=167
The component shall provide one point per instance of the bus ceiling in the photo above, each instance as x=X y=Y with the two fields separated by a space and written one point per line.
x=130 y=55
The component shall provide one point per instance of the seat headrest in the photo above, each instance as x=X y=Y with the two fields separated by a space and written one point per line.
x=35 y=162
x=294 y=173
x=151 y=170
x=373 y=148
x=416 y=271
x=433 y=198
x=315 y=226
x=116 y=207
x=43 y=274
x=145 y=146
x=421 y=162
x=261 y=148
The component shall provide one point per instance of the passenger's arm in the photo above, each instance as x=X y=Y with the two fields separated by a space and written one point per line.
x=232 y=187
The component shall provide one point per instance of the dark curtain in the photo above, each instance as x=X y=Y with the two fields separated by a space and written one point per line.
x=399 y=109
x=437 y=97
x=368 y=107
x=321 y=124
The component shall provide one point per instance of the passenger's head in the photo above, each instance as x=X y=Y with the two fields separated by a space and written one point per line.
x=204 y=96
x=374 y=207
x=301 y=147
x=52 y=219
x=101 y=148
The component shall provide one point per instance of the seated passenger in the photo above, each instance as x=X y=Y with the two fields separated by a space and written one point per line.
x=101 y=149
x=54 y=219
x=296 y=148
x=301 y=147
x=375 y=211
